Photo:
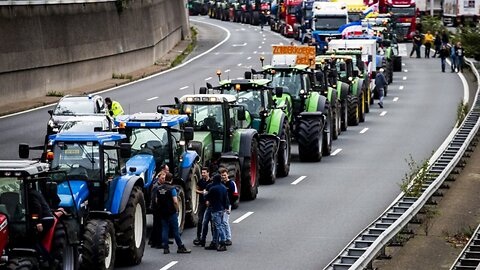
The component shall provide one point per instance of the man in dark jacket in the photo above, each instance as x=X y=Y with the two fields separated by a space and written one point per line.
x=380 y=84
x=202 y=206
x=444 y=53
x=156 y=235
x=166 y=199
x=232 y=198
x=437 y=43
x=217 y=200
x=459 y=55
x=417 y=43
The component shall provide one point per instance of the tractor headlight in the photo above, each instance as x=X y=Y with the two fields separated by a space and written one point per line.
x=302 y=92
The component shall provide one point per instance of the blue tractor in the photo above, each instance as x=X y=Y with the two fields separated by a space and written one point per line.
x=160 y=139
x=108 y=199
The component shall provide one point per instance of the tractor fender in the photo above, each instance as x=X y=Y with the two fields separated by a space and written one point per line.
x=144 y=164
x=354 y=89
x=271 y=137
x=316 y=103
x=246 y=137
x=123 y=189
x=361 y=84
x=332 y=97
x=276 y=122
x=342 y=90
x=189 y=157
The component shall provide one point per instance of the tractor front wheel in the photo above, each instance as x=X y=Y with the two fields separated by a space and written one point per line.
x=191 y=215
x=344 y=115
x=250 y=174
x=22 y=264
x=327 y=133
x=310 y=139
x=268 y=160
x=284 y=151
x=353 y=111
x=98 y=245
x=64 y=256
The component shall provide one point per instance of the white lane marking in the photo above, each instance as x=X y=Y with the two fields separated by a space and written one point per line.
x=298 y=180
x=152 y=98
x=227 y=70
x=466 y=92
x=336 y=152
x=363 y=130
x=239 y=78
x=400 y=87
x=395 y=99
x=383 y=113
x=170 y=264
x=248 y=58
x=263 y=42
x=254 y=52
x=146 y=78
x=239 y=45
x=405 y=70
x=208 y=79
x=405 y=78
x=217 y=53
x=259 y=47
x=239 y=64
x=403 y=64
x=238 y=220
x=264 y=35
x=281 y=43
x=185 y=87
x=264 y=38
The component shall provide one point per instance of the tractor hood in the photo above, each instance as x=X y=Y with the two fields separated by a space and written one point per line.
x=202 y=143
x=142 y=165
x=79 y=190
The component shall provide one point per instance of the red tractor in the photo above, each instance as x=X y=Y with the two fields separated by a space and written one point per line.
x=23 y=244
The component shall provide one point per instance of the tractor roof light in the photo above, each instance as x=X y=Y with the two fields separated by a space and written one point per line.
x=302 y=91
x=122 y=125
x=7 y=174
x=50 y=156
x=273 y=71
x=189 y=99
x=237 y=87
x=213 y=99
x=188 y=110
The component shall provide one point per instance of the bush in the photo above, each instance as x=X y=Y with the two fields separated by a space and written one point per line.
x=432 y=24
x=470 y=38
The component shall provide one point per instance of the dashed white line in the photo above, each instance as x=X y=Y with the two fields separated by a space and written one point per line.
x=248 y=58
x=227 y=70
x=395 y=99
x=255 y=52
x=259 y=47
x=298 y=180
x=263 y=42
x=239 y=78
x=281 y=43
x=363 y=130
x=334 y=153
x=403 y=64
x=400 y=87
x=264 y=35
x=208 y=79
x=264 y=38
x=152 y=98
x=383 y=113
x=405 y=78
x=238 y=220
x=239 y=64
x=185 y=87
x=172 y=263
x=405 y=70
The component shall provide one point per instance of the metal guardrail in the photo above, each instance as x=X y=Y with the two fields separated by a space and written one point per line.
x=365 y=247
x=48 y=2
x=469 y=258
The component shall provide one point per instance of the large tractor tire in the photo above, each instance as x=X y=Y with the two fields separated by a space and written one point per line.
x=361 y=108
x=234 y=173
x=268 y=160
x=353 y=111
x=22 y=264
x=64 y=256
x=247 y=18
x=191 y=215
x=182 y=202
x=327 y=133
x=367 y=94
x=310 y=139
x=131 y=229
x=344 y=115
x=284 y=151
x=337 y=121
x=99 y=245
x=250 y=174
x=397 y=63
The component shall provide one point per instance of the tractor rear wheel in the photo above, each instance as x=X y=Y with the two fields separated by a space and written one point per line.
x=182 y=202
x=98 y=245
x=361 y=107
x=344 y=115
x=234 y=173
x=131 y=229
x=366 y=93
x=22 y=264
x=310 y=139
x=268 y=160
x=250 y=174
x=327 y=134
x=353 y=111
x=284 y=151
x=191 y=215
x=64 y=256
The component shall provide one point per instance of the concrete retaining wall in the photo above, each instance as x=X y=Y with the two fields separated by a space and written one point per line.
x=57 y=47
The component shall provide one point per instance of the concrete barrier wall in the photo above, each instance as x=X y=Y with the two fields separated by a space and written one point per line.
x=56 y=47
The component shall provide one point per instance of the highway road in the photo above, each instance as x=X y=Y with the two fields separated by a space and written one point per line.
x=305 y=219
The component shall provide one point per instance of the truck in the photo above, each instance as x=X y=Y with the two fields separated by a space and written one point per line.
x=304 y=18
x=423 y=7
x=460 y=12
x=285 y=17
x=355 y=9
x=404 y=14
x=328 y=18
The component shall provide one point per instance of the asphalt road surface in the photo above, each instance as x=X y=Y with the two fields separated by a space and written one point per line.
x=305 y=219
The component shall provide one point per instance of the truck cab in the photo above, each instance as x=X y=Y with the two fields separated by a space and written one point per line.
x=328 y=17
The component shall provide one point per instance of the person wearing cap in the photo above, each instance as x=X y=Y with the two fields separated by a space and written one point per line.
x=114 y=107
x=217 y=201
x=380 y=84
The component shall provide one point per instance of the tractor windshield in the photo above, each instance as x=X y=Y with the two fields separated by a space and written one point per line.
x=11 y=199
x=290 y=79
x=80 y=160
x=153 y=141
x=206 y=117
x=253 y=100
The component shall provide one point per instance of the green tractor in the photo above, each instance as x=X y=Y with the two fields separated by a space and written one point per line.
x=271 y=122
x=220 y=139
x=309 y=113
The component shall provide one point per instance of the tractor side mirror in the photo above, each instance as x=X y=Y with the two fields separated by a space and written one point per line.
x=279 y=91
x=188 y=134
x=209 y=86
x=50 y=112
x=23 y=150
x=177 y=102
x=203 y=90
x=248 y=75
x=355 y=73
x=125 y=150
x=241 y=115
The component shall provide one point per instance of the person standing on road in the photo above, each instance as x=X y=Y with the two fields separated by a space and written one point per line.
x=428 y=40
x=114 y=107
x=166 y=199
x=217 y=200
x=202 y=206
x=232 y=198
x=417 y=43
x=445 y=38
x=380 y=84
x=263 y=20
x=459 y=54
x=438 y=44
x=453 y=58
x=156 y=235
x=443 y=54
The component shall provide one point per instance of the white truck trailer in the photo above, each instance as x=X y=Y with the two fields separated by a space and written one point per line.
x=461 y=12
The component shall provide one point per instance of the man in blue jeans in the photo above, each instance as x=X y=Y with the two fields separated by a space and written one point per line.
x=166 y=199
x=217 y=201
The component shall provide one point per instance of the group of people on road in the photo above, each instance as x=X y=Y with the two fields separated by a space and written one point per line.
x=442 y=47
x=217 y=195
